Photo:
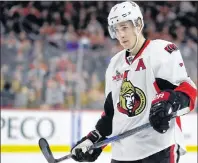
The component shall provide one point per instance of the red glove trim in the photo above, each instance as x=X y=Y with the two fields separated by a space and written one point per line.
x=163 y=96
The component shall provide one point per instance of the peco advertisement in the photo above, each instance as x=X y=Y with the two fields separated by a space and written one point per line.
x=21 y=129
x=26 y=127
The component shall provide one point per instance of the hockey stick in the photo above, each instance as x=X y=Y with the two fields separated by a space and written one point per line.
x=44 y=146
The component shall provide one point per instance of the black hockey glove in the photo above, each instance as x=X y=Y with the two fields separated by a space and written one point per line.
x=164 y=106
x=79 y=151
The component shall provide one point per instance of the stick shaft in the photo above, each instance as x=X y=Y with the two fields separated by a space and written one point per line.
x=110 y=140
x=64 y=158
x=120 y=136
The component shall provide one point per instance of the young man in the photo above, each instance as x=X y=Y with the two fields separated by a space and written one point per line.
x=145 y=82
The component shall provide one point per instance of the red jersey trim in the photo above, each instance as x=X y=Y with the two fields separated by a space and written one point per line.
x=103 y=114
x=139 y=52
x=178 y=121
x=156 y=87
x=172 y=154
x=190 y=91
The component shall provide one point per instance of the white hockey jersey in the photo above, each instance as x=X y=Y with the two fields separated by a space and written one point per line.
x=134 y=82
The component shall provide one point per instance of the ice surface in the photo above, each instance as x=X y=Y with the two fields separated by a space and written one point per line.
x=39 y=158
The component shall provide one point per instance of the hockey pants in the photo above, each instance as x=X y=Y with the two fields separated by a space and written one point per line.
x=168 y=155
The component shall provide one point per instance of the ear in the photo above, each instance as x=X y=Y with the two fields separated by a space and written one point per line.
x=139 y=24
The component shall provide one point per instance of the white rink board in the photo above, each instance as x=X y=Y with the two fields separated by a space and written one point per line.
x=23 y=127
x=26 y=127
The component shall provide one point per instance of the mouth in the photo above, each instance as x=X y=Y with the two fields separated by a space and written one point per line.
x=124 y=42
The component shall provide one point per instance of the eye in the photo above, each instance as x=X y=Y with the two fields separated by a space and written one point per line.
x=125 y=27
x=127 y=96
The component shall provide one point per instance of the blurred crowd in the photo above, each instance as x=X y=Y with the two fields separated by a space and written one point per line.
x=54 y=54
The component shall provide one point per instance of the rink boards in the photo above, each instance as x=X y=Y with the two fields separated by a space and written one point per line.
x=21 y=129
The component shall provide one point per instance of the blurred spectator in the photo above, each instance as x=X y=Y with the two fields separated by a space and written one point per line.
x=96 y=32
x=7 y=95
x=55 y=94
x=32 y=101
x=40 y=48
x=71 y=38
x=21 y=98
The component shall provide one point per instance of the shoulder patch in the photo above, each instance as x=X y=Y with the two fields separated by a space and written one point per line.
x=170 y=48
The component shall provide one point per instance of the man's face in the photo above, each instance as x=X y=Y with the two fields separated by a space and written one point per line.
x=130 y=100
x=125 y=33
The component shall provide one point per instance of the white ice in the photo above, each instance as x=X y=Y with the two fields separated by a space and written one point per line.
x=39 y=158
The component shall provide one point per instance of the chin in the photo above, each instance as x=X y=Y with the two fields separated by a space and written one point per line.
x=125 y=47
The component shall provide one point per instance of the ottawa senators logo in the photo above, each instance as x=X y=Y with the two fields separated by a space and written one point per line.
x=132 y=100
x=170 y=48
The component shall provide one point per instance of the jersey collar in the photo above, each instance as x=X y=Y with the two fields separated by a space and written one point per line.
x=129 y=60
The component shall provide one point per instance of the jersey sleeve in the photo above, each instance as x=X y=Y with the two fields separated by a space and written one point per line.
x=107 y=82
x=172 y=69
x=104 y=124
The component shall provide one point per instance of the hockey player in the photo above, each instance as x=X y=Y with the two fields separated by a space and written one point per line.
x=145 y=82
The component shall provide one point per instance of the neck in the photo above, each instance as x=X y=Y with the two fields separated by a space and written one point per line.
x=139 y=45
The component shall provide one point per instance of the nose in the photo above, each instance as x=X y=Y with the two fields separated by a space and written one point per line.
x=122 y=34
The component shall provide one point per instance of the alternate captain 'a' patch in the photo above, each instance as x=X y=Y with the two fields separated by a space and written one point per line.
x=170 y=48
